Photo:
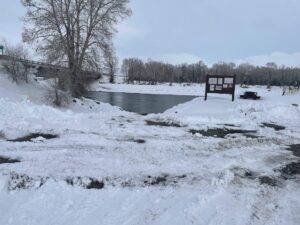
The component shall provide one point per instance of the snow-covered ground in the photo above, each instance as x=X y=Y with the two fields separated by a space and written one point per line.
x=175 y=173
x=175 y=89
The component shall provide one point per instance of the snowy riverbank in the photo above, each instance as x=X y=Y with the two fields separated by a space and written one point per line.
x=213 y=162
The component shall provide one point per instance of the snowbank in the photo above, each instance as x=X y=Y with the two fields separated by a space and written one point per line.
x=147 y=173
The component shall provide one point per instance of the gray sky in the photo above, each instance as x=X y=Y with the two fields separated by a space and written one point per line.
x=176 y=31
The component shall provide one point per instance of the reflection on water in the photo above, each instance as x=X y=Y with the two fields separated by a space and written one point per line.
x=140 y=103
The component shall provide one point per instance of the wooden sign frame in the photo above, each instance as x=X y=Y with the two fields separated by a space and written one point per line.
x=220 y=84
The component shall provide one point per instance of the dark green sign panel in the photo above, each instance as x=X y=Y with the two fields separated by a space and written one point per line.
x=220 y=85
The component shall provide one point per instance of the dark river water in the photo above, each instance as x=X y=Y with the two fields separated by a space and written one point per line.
x=140 y=103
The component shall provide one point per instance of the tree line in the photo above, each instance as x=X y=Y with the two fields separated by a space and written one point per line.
x=136 y=70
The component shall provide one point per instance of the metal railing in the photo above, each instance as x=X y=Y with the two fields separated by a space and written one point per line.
x=46 y=70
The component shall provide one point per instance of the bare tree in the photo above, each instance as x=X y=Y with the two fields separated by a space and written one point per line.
x=223 y=68
x=16 y=64
x=271 y=66
x=125 y=70
x=111 y=63
x=73 y=33
x=243 y=71
x=56 y=95
x=133 y=69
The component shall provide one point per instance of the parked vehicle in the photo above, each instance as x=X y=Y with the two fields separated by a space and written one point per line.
x=250 y=95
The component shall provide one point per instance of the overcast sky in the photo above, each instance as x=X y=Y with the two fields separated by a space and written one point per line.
x=177 y=31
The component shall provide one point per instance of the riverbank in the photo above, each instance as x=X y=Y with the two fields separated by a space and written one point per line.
x=164 y=88
x=176 y=89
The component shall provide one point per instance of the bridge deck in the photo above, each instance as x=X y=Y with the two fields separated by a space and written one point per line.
x=49 y=71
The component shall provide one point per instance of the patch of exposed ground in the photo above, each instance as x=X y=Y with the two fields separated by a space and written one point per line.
x=252 y=136
x=229 y=125
x=271 y=181
x=23 y=182
x=163 y=123
x=290 y=170
x=295 y=149
x=92 y=183
x=95 y=184
x=244 y=173
x=274 y=126
x=163 y=180
x=263 y=180
x=31 y=137
x=4 y=160
x=221 y=132
x=88 y=183
x=139 y=141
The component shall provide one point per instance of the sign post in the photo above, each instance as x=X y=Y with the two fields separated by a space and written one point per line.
x=220 y=85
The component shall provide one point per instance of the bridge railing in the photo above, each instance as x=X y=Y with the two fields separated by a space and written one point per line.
x=49 y=71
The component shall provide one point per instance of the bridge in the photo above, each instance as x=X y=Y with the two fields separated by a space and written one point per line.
x=50 y=71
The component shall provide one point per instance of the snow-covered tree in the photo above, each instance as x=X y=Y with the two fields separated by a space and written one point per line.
x=16 y=64
x=111 y=63
x=73 y=33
